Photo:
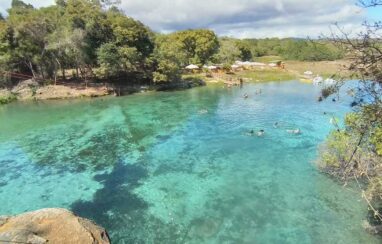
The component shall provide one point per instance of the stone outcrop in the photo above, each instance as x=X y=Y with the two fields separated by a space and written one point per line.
x=372 y=229
x=51 y=225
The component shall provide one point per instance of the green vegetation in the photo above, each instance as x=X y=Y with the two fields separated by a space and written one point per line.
x=285 y=49
x=355 y=153
x=304 y=50
x=7 y=98
x=258 y=75
x=177 y=50
x=232 y=50
x=268 y=75
x=95 y=42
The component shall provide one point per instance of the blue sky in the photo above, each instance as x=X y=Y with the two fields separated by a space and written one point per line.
x=243 y=18
x=375 y=13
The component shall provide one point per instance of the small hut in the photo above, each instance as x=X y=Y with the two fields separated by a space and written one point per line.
x=192 y=68
x=235 y=67
x=258 y=64
x=212 y=68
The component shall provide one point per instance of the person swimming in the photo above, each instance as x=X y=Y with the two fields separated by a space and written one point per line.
x=260 y=133
x=245 y=96
x=296 y=131
x=203 y=111
x=276 y=125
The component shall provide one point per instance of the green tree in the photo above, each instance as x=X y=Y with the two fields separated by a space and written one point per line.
x=169 y=59
x=109 y=59
x=134 y=44
x=199 y=46
x=29 y=29
x=228 y=52
x=89 y=17
x=18 y=4
x=245 y=50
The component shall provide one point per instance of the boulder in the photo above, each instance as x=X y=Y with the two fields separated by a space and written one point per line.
x=25 y=89
x=51 y=225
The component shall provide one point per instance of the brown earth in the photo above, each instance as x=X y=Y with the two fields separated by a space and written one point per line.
x=29 y=89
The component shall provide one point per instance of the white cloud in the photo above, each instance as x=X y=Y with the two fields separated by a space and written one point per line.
x=240 y=18
x=247 y=18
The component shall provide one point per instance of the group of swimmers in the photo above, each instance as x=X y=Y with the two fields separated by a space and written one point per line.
x=258 y=92
x=261 y=132
x=276 y=125
x=333 y=120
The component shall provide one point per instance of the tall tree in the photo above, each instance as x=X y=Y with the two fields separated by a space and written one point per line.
x=169 y=59
x=199 y=46
x=228 y=51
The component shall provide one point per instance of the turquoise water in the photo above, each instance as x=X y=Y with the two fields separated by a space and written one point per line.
x=179 y=167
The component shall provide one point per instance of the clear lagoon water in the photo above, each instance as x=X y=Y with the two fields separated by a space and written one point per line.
x=178 y=167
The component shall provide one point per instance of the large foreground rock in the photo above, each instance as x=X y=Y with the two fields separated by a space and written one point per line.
x=51 y=225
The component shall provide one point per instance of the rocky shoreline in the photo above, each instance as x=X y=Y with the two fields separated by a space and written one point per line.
x=29 y=90
x=50 y=225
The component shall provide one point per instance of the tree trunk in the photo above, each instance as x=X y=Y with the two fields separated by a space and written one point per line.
x=86 y=81
x=82 y=73
x=30 y=65
x=63 y=73
x=55 y=77
x=59 y=67
x=42 y=72
x=77 y=75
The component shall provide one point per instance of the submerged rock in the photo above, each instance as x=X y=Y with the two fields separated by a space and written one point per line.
x=51 y=225
x=372 y=229
x=205 y=228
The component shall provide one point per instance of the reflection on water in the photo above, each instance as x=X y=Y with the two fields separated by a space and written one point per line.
x=180 y=168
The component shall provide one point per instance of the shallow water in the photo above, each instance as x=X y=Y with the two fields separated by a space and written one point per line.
x=158 y=168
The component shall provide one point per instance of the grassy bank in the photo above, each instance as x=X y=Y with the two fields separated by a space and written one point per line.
x=323 y=68
x=273 y=74
x=293 y=71
x=7 y=97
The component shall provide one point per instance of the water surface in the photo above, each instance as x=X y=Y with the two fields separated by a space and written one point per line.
x=179 y=167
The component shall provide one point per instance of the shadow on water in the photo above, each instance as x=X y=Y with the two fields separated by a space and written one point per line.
x=123 y=214
x=115 y=200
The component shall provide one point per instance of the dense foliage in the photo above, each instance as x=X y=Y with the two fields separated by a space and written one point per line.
x=85 y=39
x=289 y=49
x=232 y=50
x=179 y=49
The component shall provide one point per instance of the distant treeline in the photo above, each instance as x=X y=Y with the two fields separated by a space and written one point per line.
x=288 y=48
x=94 y=40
